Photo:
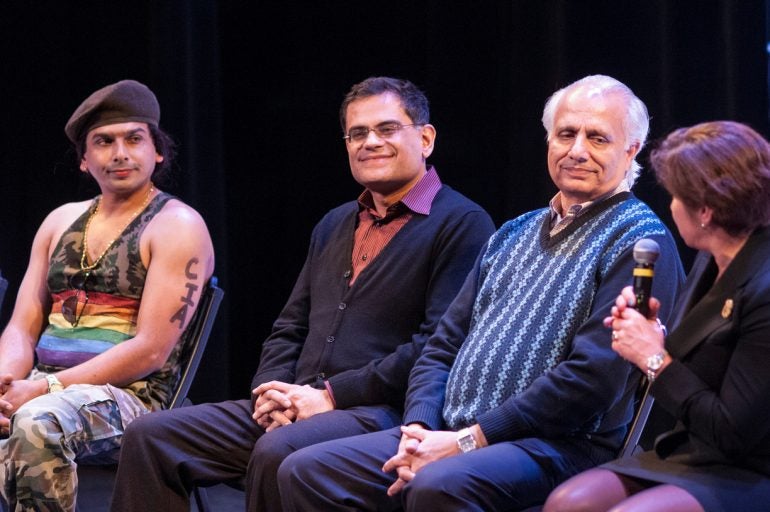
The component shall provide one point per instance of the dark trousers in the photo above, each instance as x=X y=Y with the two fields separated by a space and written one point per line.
x=167 y=453
x=346 y=475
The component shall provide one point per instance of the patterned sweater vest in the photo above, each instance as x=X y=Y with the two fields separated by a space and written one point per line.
x=534 y=294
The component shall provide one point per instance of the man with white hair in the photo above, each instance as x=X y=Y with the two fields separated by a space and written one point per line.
x=518 y=388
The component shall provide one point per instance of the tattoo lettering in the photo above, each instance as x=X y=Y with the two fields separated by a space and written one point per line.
x=189 y=273
x=187 y=301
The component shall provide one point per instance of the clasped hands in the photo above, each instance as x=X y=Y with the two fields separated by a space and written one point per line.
x=418 y=447
x=279 y=403
x=14 y=394
x=634 y=337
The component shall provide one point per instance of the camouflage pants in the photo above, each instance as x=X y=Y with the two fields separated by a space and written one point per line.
x=83 y=423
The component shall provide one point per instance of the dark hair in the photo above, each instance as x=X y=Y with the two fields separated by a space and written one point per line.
x=723 y=165
x=413 y=99
x=165 y=146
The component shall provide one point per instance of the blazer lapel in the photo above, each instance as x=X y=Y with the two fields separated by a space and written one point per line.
x=704 y=318
x=697 y=319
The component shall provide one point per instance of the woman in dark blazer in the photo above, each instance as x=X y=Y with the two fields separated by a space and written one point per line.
x=713 y=373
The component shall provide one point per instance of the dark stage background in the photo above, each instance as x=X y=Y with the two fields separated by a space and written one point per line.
x=251 y=91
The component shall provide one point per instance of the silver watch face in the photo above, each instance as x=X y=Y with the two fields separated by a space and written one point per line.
x=655 y=361
x=467 y=443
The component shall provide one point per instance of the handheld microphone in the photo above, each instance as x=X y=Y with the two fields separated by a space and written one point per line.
x=646 y=252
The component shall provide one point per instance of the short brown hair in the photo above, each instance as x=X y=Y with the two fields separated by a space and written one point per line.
x=722 y=165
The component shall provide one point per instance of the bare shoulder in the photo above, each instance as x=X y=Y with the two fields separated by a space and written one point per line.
x=67 y=213
x=61 y=218
x=179 y=227
x=176 y=214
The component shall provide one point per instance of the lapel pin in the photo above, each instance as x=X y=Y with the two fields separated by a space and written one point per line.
x=727 y=309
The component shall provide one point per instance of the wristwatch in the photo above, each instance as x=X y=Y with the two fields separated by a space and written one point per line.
x=53 y=383
x=654 y=362
x=465 y=441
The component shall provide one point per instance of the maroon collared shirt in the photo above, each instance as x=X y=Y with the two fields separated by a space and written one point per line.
x=374 y=232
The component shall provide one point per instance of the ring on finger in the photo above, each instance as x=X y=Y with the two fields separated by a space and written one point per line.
x=615 y=336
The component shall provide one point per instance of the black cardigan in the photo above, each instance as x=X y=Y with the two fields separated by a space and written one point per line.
x=365 y=338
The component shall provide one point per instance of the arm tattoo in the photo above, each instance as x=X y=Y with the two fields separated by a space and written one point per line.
x=187 y=301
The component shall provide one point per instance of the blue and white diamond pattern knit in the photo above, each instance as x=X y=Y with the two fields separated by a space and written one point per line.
x=533 y=298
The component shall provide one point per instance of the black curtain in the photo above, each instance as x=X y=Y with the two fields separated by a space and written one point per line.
x=251 y=92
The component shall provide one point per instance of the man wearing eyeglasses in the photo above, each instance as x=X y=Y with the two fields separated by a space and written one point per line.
x=112 y=283
x=519 y=387
x=379 y=274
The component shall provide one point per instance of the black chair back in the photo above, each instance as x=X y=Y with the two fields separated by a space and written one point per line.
x=642 y=408
x=195 y=339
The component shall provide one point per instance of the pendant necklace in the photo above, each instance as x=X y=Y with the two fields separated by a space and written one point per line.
x=87 y=268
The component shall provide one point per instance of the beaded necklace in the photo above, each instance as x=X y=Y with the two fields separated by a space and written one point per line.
x=87 y=268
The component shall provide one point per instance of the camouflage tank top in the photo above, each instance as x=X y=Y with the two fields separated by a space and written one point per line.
x=103 y=304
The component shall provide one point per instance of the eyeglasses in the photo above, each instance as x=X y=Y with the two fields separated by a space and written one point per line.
x=69 y=308
x=383 y=131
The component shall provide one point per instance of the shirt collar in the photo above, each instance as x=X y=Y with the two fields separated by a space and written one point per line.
x=578 y=209
x=419 y=199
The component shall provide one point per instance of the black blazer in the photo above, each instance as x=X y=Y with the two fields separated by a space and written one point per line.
x=718 y=386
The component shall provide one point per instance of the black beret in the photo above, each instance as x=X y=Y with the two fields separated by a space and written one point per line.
x=121 y=102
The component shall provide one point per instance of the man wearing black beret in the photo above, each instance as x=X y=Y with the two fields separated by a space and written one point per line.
x=111 y=284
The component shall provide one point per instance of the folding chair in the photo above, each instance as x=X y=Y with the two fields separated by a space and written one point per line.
x=196 y=337
x=96 y=482
x=642 y=407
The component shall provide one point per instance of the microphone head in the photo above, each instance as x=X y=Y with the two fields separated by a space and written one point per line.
x=646 y=251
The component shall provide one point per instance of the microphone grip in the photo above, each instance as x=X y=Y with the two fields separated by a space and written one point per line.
x=643 y=288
